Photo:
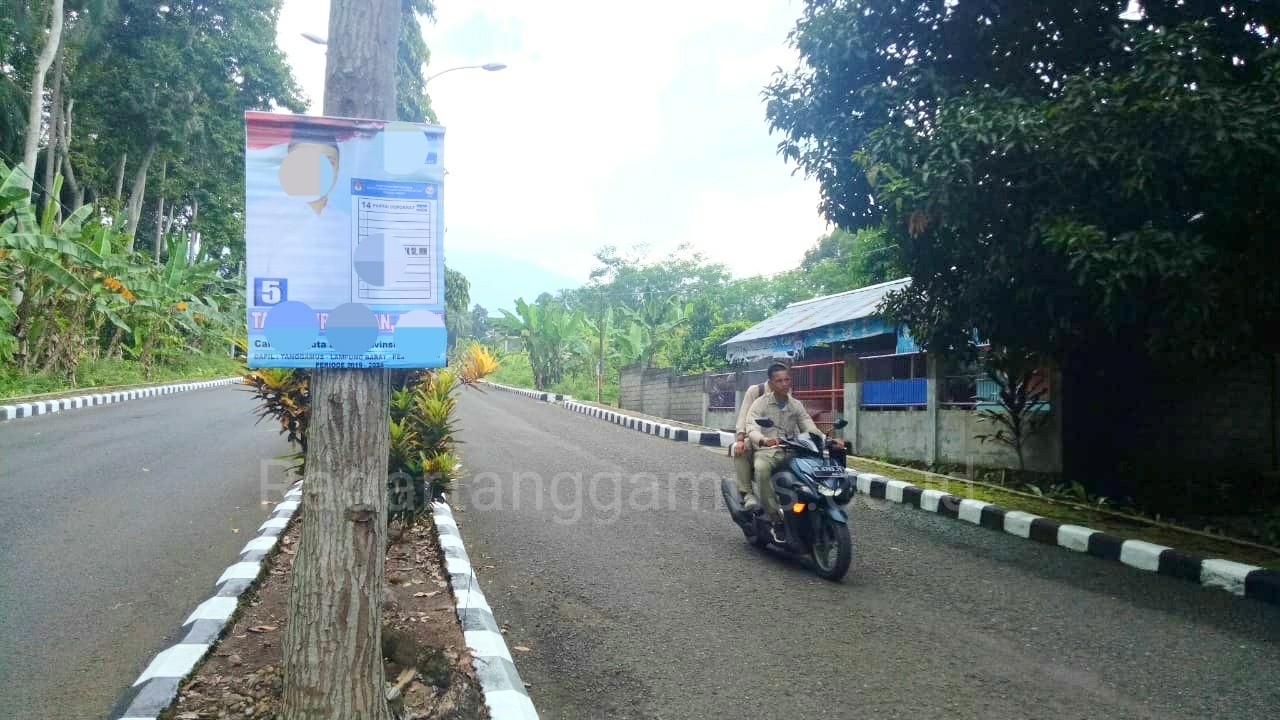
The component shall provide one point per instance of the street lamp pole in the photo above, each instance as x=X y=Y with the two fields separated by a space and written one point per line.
x=491 y=67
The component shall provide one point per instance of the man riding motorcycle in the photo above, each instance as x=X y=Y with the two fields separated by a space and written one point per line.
x=790 y=419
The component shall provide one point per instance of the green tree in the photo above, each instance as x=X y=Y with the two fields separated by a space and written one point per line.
x=843 y=260
x=457 y=297
x=551 y=334
x=412 y=102
x=1055 y=176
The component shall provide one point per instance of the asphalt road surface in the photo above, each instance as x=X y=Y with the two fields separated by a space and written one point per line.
x=636 y=597
x=115 y=521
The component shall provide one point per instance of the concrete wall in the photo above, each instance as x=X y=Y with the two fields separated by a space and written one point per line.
x=898 y=434
x=661 y=393
x=935 y=434
x=721 y=420
x=688 y=401
x=656 y=392
x=630 y=386
x=957 y=445
x=931 y=434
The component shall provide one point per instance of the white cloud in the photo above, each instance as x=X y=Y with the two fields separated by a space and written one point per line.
x=757 y=70
x=533 y=151
x=756 y=234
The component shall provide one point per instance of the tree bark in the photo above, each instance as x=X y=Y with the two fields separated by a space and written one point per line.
x=55 y=131
x=158 y=244
x=192 y=233
x=137 y=194
x=37 y=91
x=333 y=647
x=168 y=224
x=124 y=158
x=77 y=192
x=21 y=329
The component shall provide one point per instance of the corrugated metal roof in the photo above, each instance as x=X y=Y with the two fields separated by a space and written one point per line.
x=820 y=312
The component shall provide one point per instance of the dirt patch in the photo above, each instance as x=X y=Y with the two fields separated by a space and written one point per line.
x=425 y=655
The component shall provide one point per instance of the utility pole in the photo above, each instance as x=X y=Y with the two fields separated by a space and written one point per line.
x=600 y=359
x=333 y=646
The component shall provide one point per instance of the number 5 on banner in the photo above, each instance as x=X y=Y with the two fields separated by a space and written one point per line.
x=270 y=291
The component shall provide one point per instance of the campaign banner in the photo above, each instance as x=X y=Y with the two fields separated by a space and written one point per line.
x=344 y=242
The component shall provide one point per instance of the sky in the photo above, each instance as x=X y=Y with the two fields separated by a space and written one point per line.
x=613 y=124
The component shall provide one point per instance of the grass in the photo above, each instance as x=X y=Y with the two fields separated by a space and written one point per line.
x=1128 y=528
x=115 y=373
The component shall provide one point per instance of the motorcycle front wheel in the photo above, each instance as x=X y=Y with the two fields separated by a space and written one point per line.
x=832 y=549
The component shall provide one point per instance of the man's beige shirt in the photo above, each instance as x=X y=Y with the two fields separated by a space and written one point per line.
x=790 y=420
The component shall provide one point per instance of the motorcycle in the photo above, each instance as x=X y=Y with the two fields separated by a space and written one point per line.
x=812 y=492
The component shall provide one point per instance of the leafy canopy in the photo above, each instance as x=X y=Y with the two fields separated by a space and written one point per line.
x=1059 y=177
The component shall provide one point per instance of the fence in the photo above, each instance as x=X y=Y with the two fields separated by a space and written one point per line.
x=894 y=381
x=820 y=386
x=722 y=392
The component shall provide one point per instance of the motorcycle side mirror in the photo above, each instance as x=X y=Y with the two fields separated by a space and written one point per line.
x=841 y=424
x=764 y=422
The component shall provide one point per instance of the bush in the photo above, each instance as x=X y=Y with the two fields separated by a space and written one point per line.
x=422 y=459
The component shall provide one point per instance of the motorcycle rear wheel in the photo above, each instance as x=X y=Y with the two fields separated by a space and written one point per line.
x=832 y=549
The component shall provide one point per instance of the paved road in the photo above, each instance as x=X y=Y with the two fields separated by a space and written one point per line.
x=643 y=601
x=115 y=521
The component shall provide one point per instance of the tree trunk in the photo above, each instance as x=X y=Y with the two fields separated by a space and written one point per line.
x=43 y=64
x=124 y=158
x=159 y=242
x=113 y=347
x=333 y=644
x=55 y=131
x=77 y=192
x=21 y=329
x=333 y=647
x=137 y=194
x=192 y=234
x=168 y=225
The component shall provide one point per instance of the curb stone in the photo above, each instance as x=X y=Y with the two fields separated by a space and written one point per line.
x=1239 y=579
x=535 y=394
x=710 y=438
x=505 y=695
x=43 y=407
x=157 y=687
x=504 y=692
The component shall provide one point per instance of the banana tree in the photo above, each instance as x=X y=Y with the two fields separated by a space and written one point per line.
x=652 y=328
x=550 y=334
x=43 y=272
x=178 y=306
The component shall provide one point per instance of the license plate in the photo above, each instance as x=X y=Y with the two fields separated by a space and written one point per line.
x=831 y=469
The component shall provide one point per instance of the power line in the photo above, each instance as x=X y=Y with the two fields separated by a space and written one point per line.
x=598 y=291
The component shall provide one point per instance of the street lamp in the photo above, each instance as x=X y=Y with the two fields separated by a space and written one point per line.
x=491 y=67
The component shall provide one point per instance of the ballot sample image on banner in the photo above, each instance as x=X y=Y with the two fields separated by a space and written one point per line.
x=344 y=263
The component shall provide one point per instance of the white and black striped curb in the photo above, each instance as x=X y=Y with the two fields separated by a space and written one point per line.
x=157 y=687
x=42 y=407
x=1237 y=578
x=710 y=438
x=504 y=692
x=535 y=394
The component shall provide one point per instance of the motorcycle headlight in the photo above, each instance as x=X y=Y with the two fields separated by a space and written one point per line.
x=827 y=491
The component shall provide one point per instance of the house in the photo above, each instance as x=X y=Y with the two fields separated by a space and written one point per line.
x=848 y=361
